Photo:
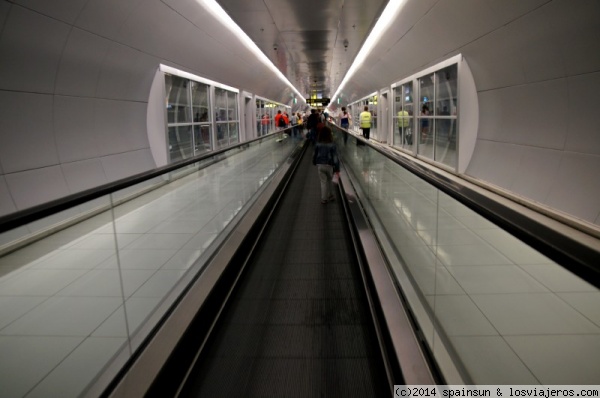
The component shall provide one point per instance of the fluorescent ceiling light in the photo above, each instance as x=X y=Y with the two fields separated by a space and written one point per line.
x=388 y=15
x=215 y=9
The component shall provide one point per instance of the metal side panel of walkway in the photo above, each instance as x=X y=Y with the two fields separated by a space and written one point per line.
x=298 y=322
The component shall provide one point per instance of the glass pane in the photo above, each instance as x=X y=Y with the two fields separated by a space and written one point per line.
x=265 y=123
x=233 y=133
x=222 y=135
x=220 y=104
x=180 y=142
x=426 y=87
x=446 y=91
x=445 y=141
x=200 y=102
x=178 y=103
x=373 y=110
x=232 y=105
x=202 y=139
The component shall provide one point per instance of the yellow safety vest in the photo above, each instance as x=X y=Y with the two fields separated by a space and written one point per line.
x=365 y=120
x=403 y=119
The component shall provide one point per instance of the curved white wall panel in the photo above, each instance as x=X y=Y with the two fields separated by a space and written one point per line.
x=7 y=205
x=81 y=63
x=533 y=114
x=84 y=174
x=31 y=46
x=126 y=164
x=64 y=10
x=576 y=186
x=26 y=138
x=33 y=187
x=76 y=137
x=583 y=115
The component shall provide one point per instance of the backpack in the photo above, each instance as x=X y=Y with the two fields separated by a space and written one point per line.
x=281 y=122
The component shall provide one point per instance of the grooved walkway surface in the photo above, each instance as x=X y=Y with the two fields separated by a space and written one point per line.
x=298 y=325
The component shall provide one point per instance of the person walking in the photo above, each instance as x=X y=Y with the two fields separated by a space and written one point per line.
x=325 y=157
x=345 y=119
x=403 y=127
x=311 y=125
x=365 y=122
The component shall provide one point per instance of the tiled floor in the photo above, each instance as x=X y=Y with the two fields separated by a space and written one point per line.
x=510 y=314
x=68 y=303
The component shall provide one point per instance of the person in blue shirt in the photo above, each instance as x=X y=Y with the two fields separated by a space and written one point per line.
x=325 y=157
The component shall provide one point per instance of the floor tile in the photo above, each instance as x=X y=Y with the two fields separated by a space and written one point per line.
x=13 y=307
x=558 y=279
x=78 y=369
x=491 y=279
x=534 y=313
x=458 y=316
x=39 y=282
x=108 y=283
x=490 y=360
x=560 y=359
x=31 y=359
x=64 y=316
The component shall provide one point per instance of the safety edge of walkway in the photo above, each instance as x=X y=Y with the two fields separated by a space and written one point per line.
x=407 y=361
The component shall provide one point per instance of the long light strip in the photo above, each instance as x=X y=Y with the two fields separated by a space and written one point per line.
x=388 y=15
x=215 y=9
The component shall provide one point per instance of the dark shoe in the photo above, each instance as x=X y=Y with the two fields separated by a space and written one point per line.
x=331 y=198
x=323 y=202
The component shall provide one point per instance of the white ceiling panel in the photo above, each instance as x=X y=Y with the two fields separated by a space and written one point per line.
x=4 y=9
x=106 y=17
x=63 y=10
x=80 y=64
x=30 y=56
x=126 y=74
x=576 y=30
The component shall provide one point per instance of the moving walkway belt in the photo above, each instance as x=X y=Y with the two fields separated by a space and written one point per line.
x=298 y=322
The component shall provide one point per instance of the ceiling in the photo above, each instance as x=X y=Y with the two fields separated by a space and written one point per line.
x=312 y=42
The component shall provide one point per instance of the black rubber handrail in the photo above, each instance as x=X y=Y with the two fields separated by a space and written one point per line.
x=563 y=249
x=34 y=213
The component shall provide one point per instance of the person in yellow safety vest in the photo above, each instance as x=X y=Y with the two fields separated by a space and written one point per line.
x=365 y=122
x=403 y=126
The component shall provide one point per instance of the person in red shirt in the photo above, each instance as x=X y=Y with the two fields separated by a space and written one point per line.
x=280 y=121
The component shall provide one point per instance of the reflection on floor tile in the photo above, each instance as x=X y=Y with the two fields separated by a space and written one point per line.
x=587 y=303
x=560 y=359
x=64 y=316
x=458 y=316
x=31 y=359
x=539 y=313
x=495 y=279
x=77 y=370
x=490 y=360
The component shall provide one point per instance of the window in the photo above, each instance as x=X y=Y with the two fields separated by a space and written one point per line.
x=429 y=124
x=191 y=117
